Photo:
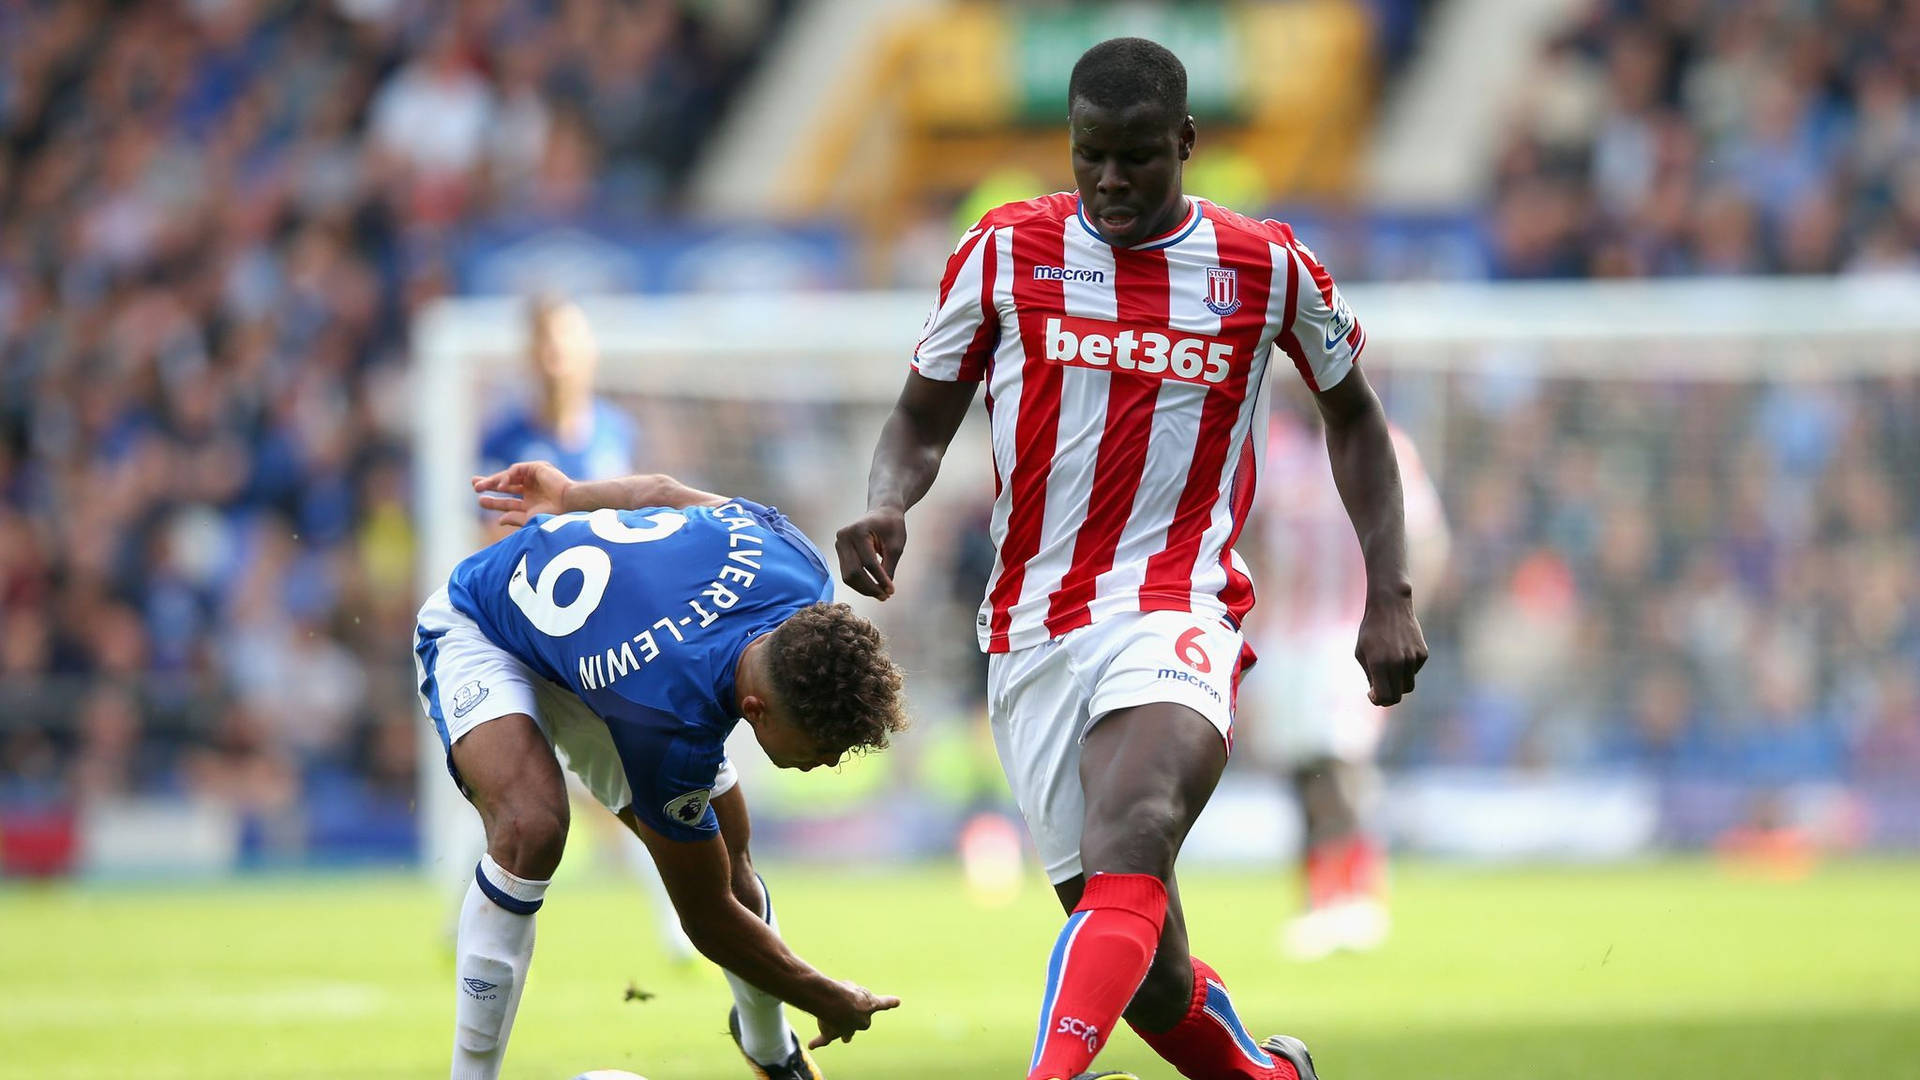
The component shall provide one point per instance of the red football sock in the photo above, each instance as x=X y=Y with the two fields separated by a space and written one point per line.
x=1210 y=1042
x=1326 y=872
x=1102 y=954
x=1366 y=869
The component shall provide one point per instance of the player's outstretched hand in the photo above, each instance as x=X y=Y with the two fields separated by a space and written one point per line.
x=1391 y=649
x=869 y=550
x=522 y=490
x=853 y=1013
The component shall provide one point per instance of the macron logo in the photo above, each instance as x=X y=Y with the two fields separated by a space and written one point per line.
x=1188 y=677
x=1061 y=273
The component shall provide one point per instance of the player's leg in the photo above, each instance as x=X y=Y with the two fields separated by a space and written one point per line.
x=1148 y=772
x=482 y=703
x=586 y=748
x=1163 y=691
x=1343 y=864
x=512 y=777
x=1145 y=773
x=1182 y=1009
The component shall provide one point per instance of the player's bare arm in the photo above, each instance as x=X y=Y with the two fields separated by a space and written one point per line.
x=527 y=488
x=698 y=876
x=1391 y=647
x=905 y=462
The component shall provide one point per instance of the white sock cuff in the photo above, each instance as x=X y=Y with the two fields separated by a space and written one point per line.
x=519 y=895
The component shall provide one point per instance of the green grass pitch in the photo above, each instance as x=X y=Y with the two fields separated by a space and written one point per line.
x=1669 y=970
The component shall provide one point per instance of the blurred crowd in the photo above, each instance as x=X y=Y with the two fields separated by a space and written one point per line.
x=215 y=220
x=217 y=216
x=1702 y=137
x=1697 y=581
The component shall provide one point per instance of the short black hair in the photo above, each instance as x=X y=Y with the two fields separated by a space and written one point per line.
x=1120 y=73
x=830 y=668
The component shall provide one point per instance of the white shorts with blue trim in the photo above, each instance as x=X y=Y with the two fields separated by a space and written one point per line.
x=1043 y=700
x=465 y=680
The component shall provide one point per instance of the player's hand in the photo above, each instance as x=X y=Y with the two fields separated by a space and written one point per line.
x=869 y=550
x=522 y=490
x=1391 y=649
x=853 y=1013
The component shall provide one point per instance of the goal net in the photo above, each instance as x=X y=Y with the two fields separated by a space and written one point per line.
x=1683 y=513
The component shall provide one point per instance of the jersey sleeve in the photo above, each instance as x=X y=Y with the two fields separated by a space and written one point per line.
x=672 y=778
x=957 y=343
x=1319 y=333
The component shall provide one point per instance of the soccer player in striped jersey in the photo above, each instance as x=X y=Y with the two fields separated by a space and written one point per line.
x=1124 y=332
x=1313 y=723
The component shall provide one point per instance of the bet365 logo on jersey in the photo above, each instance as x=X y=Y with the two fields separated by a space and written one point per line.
x=1162 y=353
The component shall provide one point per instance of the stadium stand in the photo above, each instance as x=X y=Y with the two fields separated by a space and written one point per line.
x=214 y=225
x=1716 y=138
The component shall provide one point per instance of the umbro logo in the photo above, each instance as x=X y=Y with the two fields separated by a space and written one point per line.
x=480 y=986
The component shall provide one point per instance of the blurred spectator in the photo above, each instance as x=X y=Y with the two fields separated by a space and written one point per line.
x=215 y=221
x=1696 y=580
x=1717 y=138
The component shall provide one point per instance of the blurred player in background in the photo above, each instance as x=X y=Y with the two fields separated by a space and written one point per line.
x=565 y=423
x=1125 y=334
x=585 y=436
x=624 y=628
x=1312 y=721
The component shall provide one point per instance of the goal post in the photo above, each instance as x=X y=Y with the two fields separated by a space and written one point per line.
x=782 y=395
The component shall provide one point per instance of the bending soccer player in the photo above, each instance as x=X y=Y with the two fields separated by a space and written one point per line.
x=564 y=422
x=629 y=625
x=1125 y=332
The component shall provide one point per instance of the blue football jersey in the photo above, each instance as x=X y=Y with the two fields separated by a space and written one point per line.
x=610 y=448
x=644 y=614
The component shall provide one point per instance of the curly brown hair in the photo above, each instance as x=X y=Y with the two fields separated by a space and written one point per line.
x=831 y=669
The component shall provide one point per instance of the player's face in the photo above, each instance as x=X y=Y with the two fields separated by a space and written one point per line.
x=563 y=350
x=1127 y=164
x=787 y=745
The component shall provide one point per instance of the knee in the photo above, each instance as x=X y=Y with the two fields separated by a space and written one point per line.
x=528 y=838
x=1140 y=837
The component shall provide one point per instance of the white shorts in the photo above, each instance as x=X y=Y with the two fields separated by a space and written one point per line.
x=465 y=680
x=1043 y=700
x=1307 y=701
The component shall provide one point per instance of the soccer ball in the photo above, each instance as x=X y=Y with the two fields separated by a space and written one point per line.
x=609 y=1074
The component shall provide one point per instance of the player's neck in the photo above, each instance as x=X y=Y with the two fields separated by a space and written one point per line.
x=750 y=673
x=1170 y=218
x=568 y=415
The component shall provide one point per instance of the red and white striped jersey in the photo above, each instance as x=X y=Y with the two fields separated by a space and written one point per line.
x=1122 y=384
